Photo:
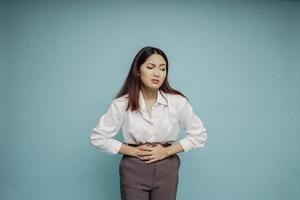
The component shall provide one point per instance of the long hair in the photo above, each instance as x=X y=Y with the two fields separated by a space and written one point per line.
x=132 y=84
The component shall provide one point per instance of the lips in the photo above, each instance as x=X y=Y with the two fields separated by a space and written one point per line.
x=155 y=80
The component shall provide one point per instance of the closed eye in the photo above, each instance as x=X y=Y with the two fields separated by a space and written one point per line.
x=163 y=69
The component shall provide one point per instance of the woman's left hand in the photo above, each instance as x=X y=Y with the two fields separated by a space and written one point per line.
x=157 y=152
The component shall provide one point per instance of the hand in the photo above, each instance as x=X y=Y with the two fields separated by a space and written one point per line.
x=152 y=153
x=140 y=152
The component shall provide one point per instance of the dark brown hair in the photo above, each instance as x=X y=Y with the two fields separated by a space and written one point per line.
x=132 y=84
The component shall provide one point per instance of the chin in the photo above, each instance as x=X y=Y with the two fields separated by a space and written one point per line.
x=154 y=87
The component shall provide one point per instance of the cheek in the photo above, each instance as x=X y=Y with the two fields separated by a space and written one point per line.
x=146 y=74
x=145 y=78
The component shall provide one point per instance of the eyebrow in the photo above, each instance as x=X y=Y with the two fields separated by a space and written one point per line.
x=154 y=65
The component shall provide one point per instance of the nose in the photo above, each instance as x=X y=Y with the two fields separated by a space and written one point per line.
x=156 y=72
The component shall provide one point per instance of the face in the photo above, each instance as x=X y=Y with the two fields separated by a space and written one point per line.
x=153 y=72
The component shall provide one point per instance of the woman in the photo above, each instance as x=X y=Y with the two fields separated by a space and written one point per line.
x=150 y=113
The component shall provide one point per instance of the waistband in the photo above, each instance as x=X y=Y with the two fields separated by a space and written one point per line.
x=151 y=143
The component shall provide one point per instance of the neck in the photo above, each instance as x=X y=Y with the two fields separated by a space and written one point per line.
x=149 y=94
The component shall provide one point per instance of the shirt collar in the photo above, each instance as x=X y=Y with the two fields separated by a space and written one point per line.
x=161 y=98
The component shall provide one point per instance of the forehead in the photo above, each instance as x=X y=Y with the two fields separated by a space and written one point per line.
x=155 y=59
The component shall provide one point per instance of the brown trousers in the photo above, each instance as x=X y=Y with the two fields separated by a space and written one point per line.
x=149 y=181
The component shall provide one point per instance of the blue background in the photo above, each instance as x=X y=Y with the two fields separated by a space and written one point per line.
x=62 y=63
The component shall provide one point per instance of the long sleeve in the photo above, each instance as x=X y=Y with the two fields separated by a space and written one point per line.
x=107 y=127
x=196 y=135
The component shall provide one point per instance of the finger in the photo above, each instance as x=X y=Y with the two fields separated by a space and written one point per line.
x=147 y=148
x=144 y=153
x=150 y=161
x=144 y=148
x=146 y=157
x=159 y=146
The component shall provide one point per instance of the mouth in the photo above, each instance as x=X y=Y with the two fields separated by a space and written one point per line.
x=155 y=81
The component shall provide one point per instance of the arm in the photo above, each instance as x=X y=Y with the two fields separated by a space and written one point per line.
x=128 y=150
x=108 y=126
x=173 y=149
x=196 y=135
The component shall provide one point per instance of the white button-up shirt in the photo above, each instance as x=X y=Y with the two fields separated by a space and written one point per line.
x=167 y=116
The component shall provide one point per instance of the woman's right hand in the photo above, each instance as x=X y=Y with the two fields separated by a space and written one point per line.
x=139 y=153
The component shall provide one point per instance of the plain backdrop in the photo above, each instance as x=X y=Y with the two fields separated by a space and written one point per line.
x=62 y=62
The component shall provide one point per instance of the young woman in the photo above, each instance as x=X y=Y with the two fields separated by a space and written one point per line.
x=150 y=113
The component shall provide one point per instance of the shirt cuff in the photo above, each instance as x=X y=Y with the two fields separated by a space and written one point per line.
x=115 y=147
x=186 y=144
